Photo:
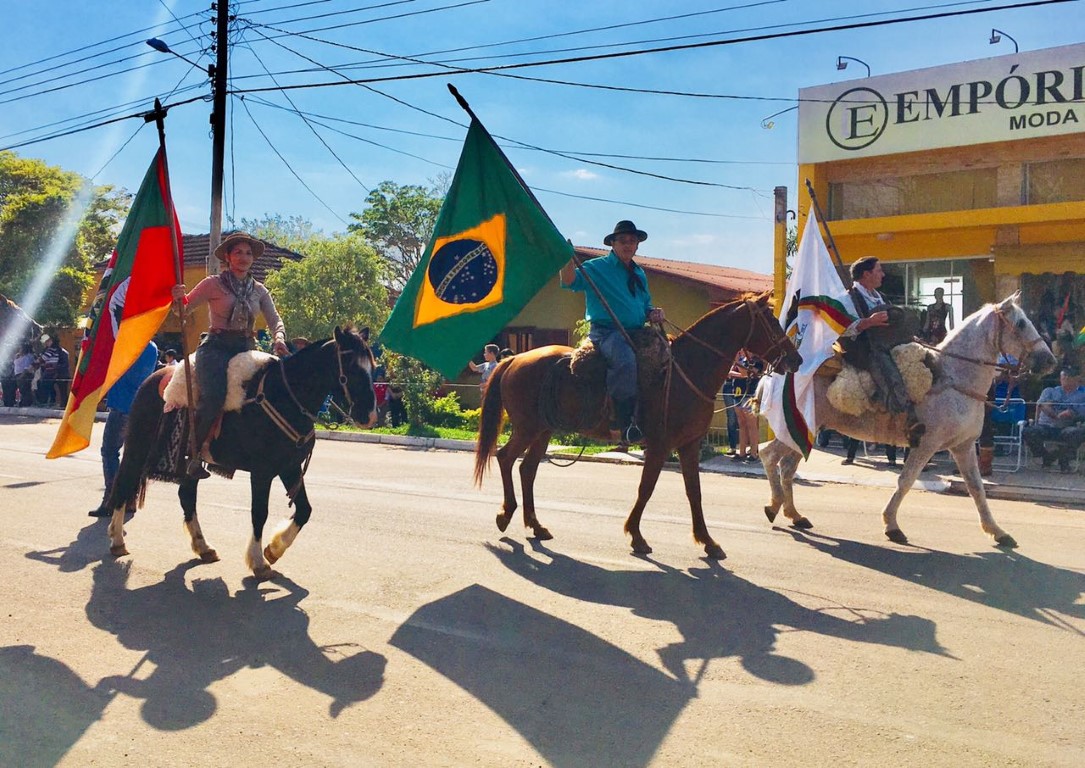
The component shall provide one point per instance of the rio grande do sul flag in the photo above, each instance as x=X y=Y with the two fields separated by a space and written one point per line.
x=821 y=310
x=493 y=249
x=133 y=299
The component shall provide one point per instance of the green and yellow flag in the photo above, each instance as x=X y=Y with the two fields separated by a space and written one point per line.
x=493 y=249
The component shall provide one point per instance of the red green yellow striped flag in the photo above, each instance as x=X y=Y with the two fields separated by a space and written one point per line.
x=133 y=299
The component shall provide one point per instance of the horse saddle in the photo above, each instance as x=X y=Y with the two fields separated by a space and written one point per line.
x=243 y=368
x=582 y=374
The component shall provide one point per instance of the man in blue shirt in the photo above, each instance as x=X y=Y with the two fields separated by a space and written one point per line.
x=623 y=285
x=1060 y=417
x=119 y=402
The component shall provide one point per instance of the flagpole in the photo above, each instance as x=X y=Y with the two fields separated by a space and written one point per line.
x=158 y=115
x=845 y=275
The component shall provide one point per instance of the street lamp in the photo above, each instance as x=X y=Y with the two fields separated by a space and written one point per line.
x=842 y=63
x=163 y=47
x=767 y=122
x=998 y=34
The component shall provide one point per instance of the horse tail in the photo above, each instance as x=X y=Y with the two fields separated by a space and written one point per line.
x=490 y=420
x=144 y=417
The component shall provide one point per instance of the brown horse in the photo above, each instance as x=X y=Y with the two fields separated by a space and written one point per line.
x=674 y=416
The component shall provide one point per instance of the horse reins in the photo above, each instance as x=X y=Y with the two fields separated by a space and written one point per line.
x=1003 y=323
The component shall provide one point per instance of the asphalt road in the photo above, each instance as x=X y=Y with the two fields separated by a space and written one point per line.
x=407 y=631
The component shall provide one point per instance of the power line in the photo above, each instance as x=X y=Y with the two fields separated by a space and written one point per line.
x=310 y=126
x=287 y=164
x=665 y=49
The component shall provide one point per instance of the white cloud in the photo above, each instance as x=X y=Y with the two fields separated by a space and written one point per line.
x=580 y=174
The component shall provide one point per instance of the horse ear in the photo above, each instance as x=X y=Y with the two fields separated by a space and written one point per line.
x=338 y=334
x=1009 y=301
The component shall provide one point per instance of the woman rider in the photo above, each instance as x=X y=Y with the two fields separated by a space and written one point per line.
x=233 y=299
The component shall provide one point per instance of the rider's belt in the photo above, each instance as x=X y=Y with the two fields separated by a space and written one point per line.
x=231 y=332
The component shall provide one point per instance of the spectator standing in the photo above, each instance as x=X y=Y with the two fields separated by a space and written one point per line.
x=396 y=410
x=746 y=372
x=489 y=357
x=63 y=378
x=380 y=390
x=50 y=359
x=24 y=373
x=171 y=357
x=119 y=403
x=729 y=404
x=7 y=376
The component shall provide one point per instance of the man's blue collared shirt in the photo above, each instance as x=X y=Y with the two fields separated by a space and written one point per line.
x=612 y=278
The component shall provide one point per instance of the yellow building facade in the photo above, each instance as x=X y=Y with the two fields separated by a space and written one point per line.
x=968 y=177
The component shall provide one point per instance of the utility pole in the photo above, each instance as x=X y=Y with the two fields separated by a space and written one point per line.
x=218 y=128
x=779 y=260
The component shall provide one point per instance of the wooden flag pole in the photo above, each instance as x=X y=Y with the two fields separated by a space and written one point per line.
x=159 y=115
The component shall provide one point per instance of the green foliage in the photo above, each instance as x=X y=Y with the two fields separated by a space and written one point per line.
x=418 y=382
x=398 y=221
x=581 y=331
x=337 y=282
x=36 y=201
x=291 y=232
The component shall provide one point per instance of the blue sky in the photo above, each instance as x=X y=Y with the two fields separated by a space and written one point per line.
x=410 y=134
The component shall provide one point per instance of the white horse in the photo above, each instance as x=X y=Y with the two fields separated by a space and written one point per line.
x=952 y=412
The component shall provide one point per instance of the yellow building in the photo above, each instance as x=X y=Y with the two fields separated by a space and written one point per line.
x=968 y=177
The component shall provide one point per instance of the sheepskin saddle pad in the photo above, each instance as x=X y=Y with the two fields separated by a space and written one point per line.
x=653 y=355
x=243 y=368
x=853 y=390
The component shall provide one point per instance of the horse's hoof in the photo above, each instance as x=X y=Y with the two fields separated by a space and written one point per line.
x=209 y=556
x=542 y=534
x=1006 y=541
x=641 y=548
x=267 y=573
x=802 y=524
x=118 y=550
x=503 y=522
x=771 y=513
x=715 y=551
x=896 y=536
x=270 y=556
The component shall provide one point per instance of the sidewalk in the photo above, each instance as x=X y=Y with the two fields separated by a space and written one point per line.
x=1031 y=483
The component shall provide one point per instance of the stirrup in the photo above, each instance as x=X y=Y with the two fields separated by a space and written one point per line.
x=633 y=434
x=195 y=469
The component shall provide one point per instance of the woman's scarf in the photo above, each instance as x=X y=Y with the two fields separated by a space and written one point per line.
x=241 y=315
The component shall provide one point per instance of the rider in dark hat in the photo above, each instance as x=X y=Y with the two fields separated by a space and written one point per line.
x=623 y=287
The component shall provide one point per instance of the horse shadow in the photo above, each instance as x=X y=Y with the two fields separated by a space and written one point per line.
x=46 y=707
x=85 y=550
x=1004 y=580
x=197 y=635
x=567 y=691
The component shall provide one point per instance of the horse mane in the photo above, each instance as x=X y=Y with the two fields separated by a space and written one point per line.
x=729 y=306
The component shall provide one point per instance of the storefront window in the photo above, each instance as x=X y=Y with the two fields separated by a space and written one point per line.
x=967 y=284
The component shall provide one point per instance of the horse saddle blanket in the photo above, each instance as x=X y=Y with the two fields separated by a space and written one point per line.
x=243 y=368
x=653 y=356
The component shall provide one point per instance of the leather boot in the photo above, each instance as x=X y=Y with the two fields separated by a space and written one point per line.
x=986 y=460
x=626 y=410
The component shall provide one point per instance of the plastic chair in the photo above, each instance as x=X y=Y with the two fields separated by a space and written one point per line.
x=1009 y=448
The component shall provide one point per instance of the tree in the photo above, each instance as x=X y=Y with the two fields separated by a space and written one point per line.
x=291 y=232
x=35 y=201
x=337 y=282
x=399 y=222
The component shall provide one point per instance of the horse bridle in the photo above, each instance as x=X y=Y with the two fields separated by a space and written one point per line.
x=757 y=321
x=1002 y=325
x=280 y=421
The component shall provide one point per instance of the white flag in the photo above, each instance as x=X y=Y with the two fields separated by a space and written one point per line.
x=822 y=310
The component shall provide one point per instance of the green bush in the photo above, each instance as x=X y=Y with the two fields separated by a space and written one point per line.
x=445 y=412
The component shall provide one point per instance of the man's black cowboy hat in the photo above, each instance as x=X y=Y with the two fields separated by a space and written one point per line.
x=625 y=227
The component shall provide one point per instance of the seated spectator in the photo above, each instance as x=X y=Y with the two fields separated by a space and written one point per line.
x=1060 y=419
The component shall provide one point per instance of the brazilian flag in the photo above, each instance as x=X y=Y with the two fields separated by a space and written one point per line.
x=493 y=249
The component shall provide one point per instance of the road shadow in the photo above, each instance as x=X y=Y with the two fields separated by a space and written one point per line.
x=199 y=634
x=576 y=698
x=1002 y=579
x=90 y=546
x=580 y=700
x=46 y=708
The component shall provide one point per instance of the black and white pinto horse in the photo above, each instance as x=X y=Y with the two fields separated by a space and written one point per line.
x=271 y=436
x=952 y=412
